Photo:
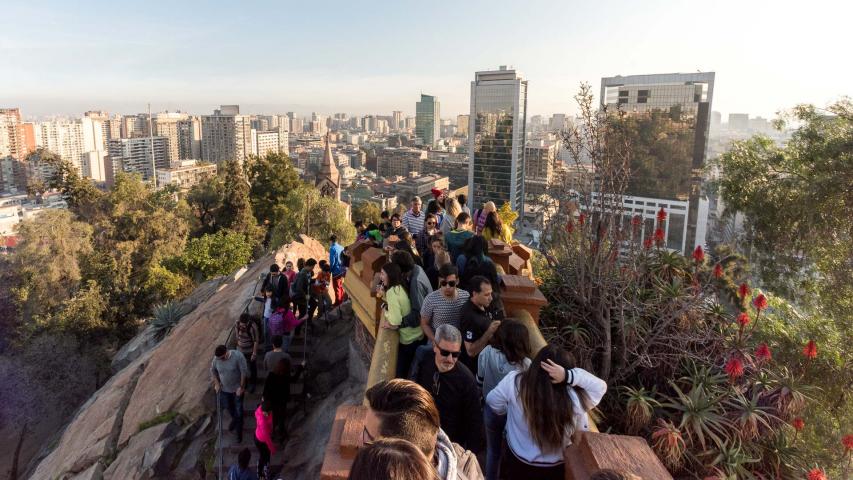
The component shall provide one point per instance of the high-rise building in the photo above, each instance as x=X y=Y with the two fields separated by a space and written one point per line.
x=496 y=144
x=12 y=140
x=397 y=120
x=134 y=126
x=427 y=118
x=189 y=138
x=134 y=155
x=739 y=121
x=274 y=141
x=226 y=135
x=168 y=125
x=670 y=177
x=392 y=162
x=539 y=160
x=410 y=123
x=185 y=174
x=64 y=138
x=296 y=125
x=462 y=124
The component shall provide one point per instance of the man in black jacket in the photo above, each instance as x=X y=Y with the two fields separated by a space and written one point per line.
x=301 y=288
x=454 y=389
x=279 y=287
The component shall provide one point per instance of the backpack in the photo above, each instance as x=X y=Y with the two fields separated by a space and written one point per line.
x=344 y=259
x=289 y=322
x=277 y=322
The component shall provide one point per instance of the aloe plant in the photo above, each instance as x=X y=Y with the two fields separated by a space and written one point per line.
x=668 y=442
x=166 y=316
x=701 y=415
x=640 y=405
x=749 y=415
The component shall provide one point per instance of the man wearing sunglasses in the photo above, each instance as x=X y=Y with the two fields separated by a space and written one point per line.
x=454 y=389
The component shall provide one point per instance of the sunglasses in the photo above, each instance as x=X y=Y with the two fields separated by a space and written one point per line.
x=445 y=353
x=430 y=223
x=447 y=283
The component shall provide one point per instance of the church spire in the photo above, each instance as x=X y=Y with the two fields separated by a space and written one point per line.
x=329 y=179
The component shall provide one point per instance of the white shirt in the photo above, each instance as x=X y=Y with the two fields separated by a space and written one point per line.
x=504 y=400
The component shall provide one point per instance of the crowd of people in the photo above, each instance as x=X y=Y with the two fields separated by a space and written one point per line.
x=290 y=298
x=470 y=394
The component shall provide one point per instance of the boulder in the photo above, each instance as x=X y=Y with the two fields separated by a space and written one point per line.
x=143 y=342
x=138 y=459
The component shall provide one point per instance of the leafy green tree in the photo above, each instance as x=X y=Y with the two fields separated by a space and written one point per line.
x=305 y=211
x=272 y=177
x=205 y=201
x=368 y=212
x=236 y=211
x=215 y=254
x=49 y=261
x=798 y=208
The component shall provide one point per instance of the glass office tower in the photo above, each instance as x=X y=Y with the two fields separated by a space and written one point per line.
x=670 y=119
x=427 y=118
x=496 y=138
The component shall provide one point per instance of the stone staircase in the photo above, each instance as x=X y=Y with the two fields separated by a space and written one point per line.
x=298 y=350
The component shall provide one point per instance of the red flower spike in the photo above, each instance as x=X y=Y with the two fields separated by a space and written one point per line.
x=847 y=441
x=570 y=227
x=743 y=319
x=581 y=219
x=816 y=474
x=743 y=290
x=659 y=235
x=762 y=353
x=760 y=302
x=661 y=215
x=636 y=221
x=798 y=423
x=718 y=271
x=647 y=243
x=699 y=254
x=734 y=367
x=810 y=350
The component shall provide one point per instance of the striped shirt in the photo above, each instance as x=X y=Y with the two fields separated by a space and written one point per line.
x=413 y=223
x=441 y=310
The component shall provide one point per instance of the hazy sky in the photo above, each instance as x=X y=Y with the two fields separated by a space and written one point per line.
x=367 y=57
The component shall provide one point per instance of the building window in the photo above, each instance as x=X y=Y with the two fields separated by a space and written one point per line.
x=642 y=96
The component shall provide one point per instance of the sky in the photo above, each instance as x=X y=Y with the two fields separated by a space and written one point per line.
x=61 y=57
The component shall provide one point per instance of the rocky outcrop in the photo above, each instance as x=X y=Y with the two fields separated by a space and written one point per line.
x=152 y=419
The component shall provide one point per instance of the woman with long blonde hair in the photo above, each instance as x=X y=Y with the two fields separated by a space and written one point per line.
x=480 y=215
x=452 y=210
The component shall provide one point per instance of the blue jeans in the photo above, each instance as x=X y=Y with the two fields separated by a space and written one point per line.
x=494 y=436
x=234 y=405
x=266 y=334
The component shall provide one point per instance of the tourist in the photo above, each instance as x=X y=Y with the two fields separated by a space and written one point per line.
x=289 y=272
x=248 y=342
x=263 y=438
x=278 y=352
x=508 y=352
x=230 y=373
x=338 y=269
x=374 y=234
x=397 y=306
x=456 y=239
x=474 y=249
x=480 y=215
x=494 y=228
x=397 y=229
x=418 y=286
x=449 y=222
x=360 y=228
x=453 y=388
x=443 y=306
x=280 y=287
x=438 y=256
x=385 y=223
x=301 y=288
x=434 y=208
x=413 y=219
x=473 y=263
x=540 y=418
x=266 y=299
x=403 y=409
x=320 y=291
x=463 y=200
x=429 y=229
x=241 y=470
x=391 y=459
x=477 y=325
x=277 y=392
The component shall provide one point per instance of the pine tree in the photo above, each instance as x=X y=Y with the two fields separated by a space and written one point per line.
x=236 y=211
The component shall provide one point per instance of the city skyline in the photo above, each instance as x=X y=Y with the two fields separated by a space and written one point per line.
x=66 y=60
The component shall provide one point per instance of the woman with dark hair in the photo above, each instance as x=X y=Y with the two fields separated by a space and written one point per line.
x=263 y=437
x=277 y=392
x=407 y=244
x=509 y=352
x=438 y=257
x=494 y=228
x=475 y=248
x=391 y=459
x=397 y=306
x=422 y=240
x=544 y=405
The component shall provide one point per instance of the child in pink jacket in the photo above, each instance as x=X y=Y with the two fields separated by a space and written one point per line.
x=263 y=438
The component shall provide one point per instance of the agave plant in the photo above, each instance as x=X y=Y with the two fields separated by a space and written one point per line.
x=575 y=334
x=701 y=414
x=789 y=395
x=733 y=460
x=669 y=264
x=780 y=456
x=639 y=406
x=703 y=377
x=669 y=444
x=750 y=415
x=165 y=316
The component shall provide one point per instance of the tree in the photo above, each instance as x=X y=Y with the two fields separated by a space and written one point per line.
x=215 y=254
x=205 y=201
x=305 y=211
x=272 y=177
x=798 y=207
x=236 y=211
x=368 y=212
